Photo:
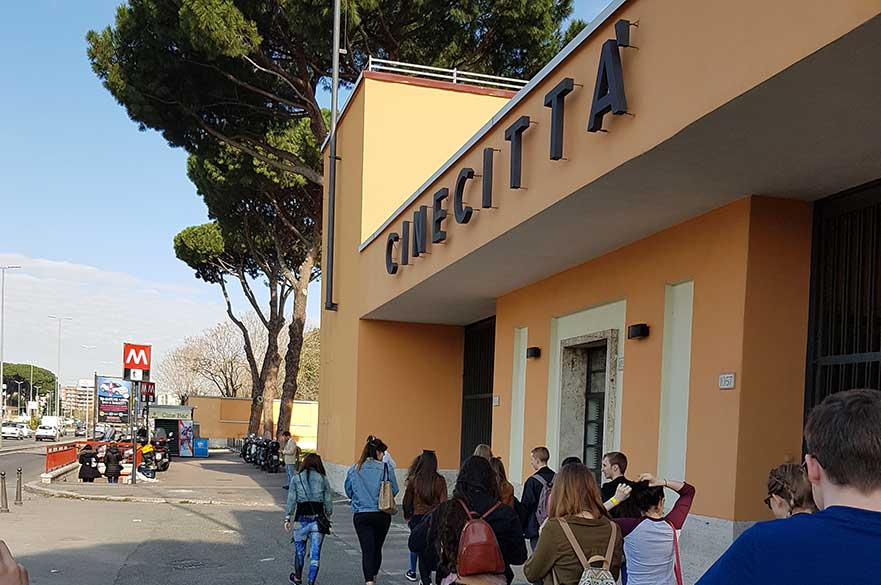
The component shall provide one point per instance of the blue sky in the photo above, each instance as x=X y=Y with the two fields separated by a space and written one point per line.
x=89 y=204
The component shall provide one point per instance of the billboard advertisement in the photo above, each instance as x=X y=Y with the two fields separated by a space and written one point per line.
x=114 y=395
x=185 y=437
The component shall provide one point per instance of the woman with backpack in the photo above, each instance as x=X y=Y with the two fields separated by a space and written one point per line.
x=473 y=520
x=426 y=488
x=309 y=506
x=651 y=542
x=579 y=535
x=364 y=481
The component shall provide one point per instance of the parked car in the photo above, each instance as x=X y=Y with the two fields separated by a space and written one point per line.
x=80 y=432
x=47 y=433
x=26 y=431
x=10 y=430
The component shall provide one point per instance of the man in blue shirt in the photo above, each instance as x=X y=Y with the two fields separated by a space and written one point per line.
x=842 y=542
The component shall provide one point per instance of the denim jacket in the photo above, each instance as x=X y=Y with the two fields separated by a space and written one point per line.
x=363 y=486
x=309 y=486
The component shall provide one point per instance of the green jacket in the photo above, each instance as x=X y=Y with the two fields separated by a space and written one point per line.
x=554 y=551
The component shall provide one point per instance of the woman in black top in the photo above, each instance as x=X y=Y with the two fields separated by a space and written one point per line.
x=438 y=535
x=88 y=461
x=113 y=464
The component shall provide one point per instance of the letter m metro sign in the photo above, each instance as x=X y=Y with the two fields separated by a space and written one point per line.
x=136 y=362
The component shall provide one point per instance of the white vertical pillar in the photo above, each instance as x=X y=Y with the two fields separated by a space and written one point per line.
x=675 y=379
x=518 y=406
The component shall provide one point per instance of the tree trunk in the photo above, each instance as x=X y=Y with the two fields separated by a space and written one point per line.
x=295 y=342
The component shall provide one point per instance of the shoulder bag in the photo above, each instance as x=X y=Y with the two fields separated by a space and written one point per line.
x=591 y=575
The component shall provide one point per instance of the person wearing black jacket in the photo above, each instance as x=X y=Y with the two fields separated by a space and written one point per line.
x=88 y=461
x=436 y=538
x=532 y=492
x=112 y=464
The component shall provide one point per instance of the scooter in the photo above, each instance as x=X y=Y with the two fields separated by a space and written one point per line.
x=163 y=455
x=273 y=458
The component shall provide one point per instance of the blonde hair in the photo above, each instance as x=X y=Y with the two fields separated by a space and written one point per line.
x=575 y=491
x=484 y=451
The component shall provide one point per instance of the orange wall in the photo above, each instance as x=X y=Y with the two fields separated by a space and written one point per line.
x=410 y=389
x=694 y=56
x=223 y=418
x=712 y=251
x=774 y=346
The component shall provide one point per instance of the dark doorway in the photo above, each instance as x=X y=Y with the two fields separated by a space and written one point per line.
x=844 y=343
x=594 y=409
x=477 y=385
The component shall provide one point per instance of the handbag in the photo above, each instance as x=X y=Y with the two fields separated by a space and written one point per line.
x=386 y=494
x=321 y=518
x=591 y=575
x=677 y=567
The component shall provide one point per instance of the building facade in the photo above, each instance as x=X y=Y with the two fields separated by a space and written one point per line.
x=668 y=243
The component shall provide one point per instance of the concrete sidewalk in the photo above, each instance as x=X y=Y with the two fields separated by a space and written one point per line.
x=222 y=479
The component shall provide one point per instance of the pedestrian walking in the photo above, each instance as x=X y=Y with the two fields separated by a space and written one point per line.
x=789 y=491
x=425 y=489
x=363 y=483
x=579 y=533
x=112 y=463
x=536 y=496
x=840 y=543
x=290 y=454
x=506 y=489
x=88 y=461
x=651 y=542
x=484 y=450
x=308 y=511
x=475 y=495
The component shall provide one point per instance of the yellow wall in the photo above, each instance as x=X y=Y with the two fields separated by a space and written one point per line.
x=411 y=130
x=392 y=135
x=221 y=418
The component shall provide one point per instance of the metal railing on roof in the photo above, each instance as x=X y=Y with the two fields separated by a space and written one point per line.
x=451 y=75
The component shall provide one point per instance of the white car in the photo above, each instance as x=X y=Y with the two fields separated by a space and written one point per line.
x=11 y=431
x=26 y=431
x=46 y=433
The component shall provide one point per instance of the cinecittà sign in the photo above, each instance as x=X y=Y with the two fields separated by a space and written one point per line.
x=608 y=97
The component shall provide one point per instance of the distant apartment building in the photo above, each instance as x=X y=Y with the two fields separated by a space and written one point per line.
x=78 y=399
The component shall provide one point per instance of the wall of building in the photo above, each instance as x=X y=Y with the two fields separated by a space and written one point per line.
x=694 y=57
x=411 y=127
x=223 y=418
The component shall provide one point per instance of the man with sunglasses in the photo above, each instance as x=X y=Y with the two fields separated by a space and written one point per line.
x=841 y=543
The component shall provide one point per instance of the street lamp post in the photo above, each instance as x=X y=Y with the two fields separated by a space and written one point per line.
x=3 y=270
x=60 y=320
x=19 y=382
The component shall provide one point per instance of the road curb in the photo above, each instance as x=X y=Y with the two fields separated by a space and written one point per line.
x=39 y=489
x=19 y=449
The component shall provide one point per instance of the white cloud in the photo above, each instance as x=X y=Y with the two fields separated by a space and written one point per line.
x=107 y=309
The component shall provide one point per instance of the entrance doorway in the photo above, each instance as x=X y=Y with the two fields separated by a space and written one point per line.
x=844 y=338
x=477 y=385
x=588 y=384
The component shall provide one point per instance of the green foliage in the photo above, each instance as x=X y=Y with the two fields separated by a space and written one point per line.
x=44 y=380
x=218 y=27
x=34 y=422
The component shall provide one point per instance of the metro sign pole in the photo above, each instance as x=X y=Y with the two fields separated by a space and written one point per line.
x=135 y=368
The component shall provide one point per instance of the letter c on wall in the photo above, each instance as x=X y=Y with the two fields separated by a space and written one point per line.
x=390 y=265
x=463 y=212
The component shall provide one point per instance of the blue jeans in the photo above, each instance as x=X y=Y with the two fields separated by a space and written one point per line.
x=291 y=470
x=307 y=529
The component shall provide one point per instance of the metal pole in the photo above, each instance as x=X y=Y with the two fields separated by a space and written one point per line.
x=95 y=407
x=3 y=270
x=58 y=375
x=131 y=432
x=331 y=190
x=18 y=500
x=4 y=500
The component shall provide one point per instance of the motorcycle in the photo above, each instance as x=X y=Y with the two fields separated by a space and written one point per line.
x=273 y=458
x=162 y=454
x=246 y=448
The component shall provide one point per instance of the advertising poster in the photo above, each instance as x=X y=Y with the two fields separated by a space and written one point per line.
x=185 y=437
x=113 y=400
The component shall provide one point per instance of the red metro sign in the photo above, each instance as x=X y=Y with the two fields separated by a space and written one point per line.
x=136 y=357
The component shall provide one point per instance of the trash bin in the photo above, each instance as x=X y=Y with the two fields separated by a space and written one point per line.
x=200 y=448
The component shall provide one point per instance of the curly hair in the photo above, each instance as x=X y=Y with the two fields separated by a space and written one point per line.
x=476 y=475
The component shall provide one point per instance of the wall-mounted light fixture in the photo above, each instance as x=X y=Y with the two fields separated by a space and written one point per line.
x=533 y=352
x=638 y=331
